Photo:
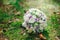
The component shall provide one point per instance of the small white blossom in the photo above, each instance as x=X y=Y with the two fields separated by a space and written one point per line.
x=24 y=24
x=32 y=20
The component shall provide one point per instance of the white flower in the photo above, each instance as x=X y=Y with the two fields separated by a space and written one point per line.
x=32 y=20
x=26 y=17
x=24 y=24
x=34 y=16
x=41 y=28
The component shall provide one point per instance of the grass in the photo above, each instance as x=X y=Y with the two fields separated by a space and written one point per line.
x=12 y=21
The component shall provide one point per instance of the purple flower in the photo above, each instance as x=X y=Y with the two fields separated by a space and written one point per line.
x=37 y=19
x=30 y=17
